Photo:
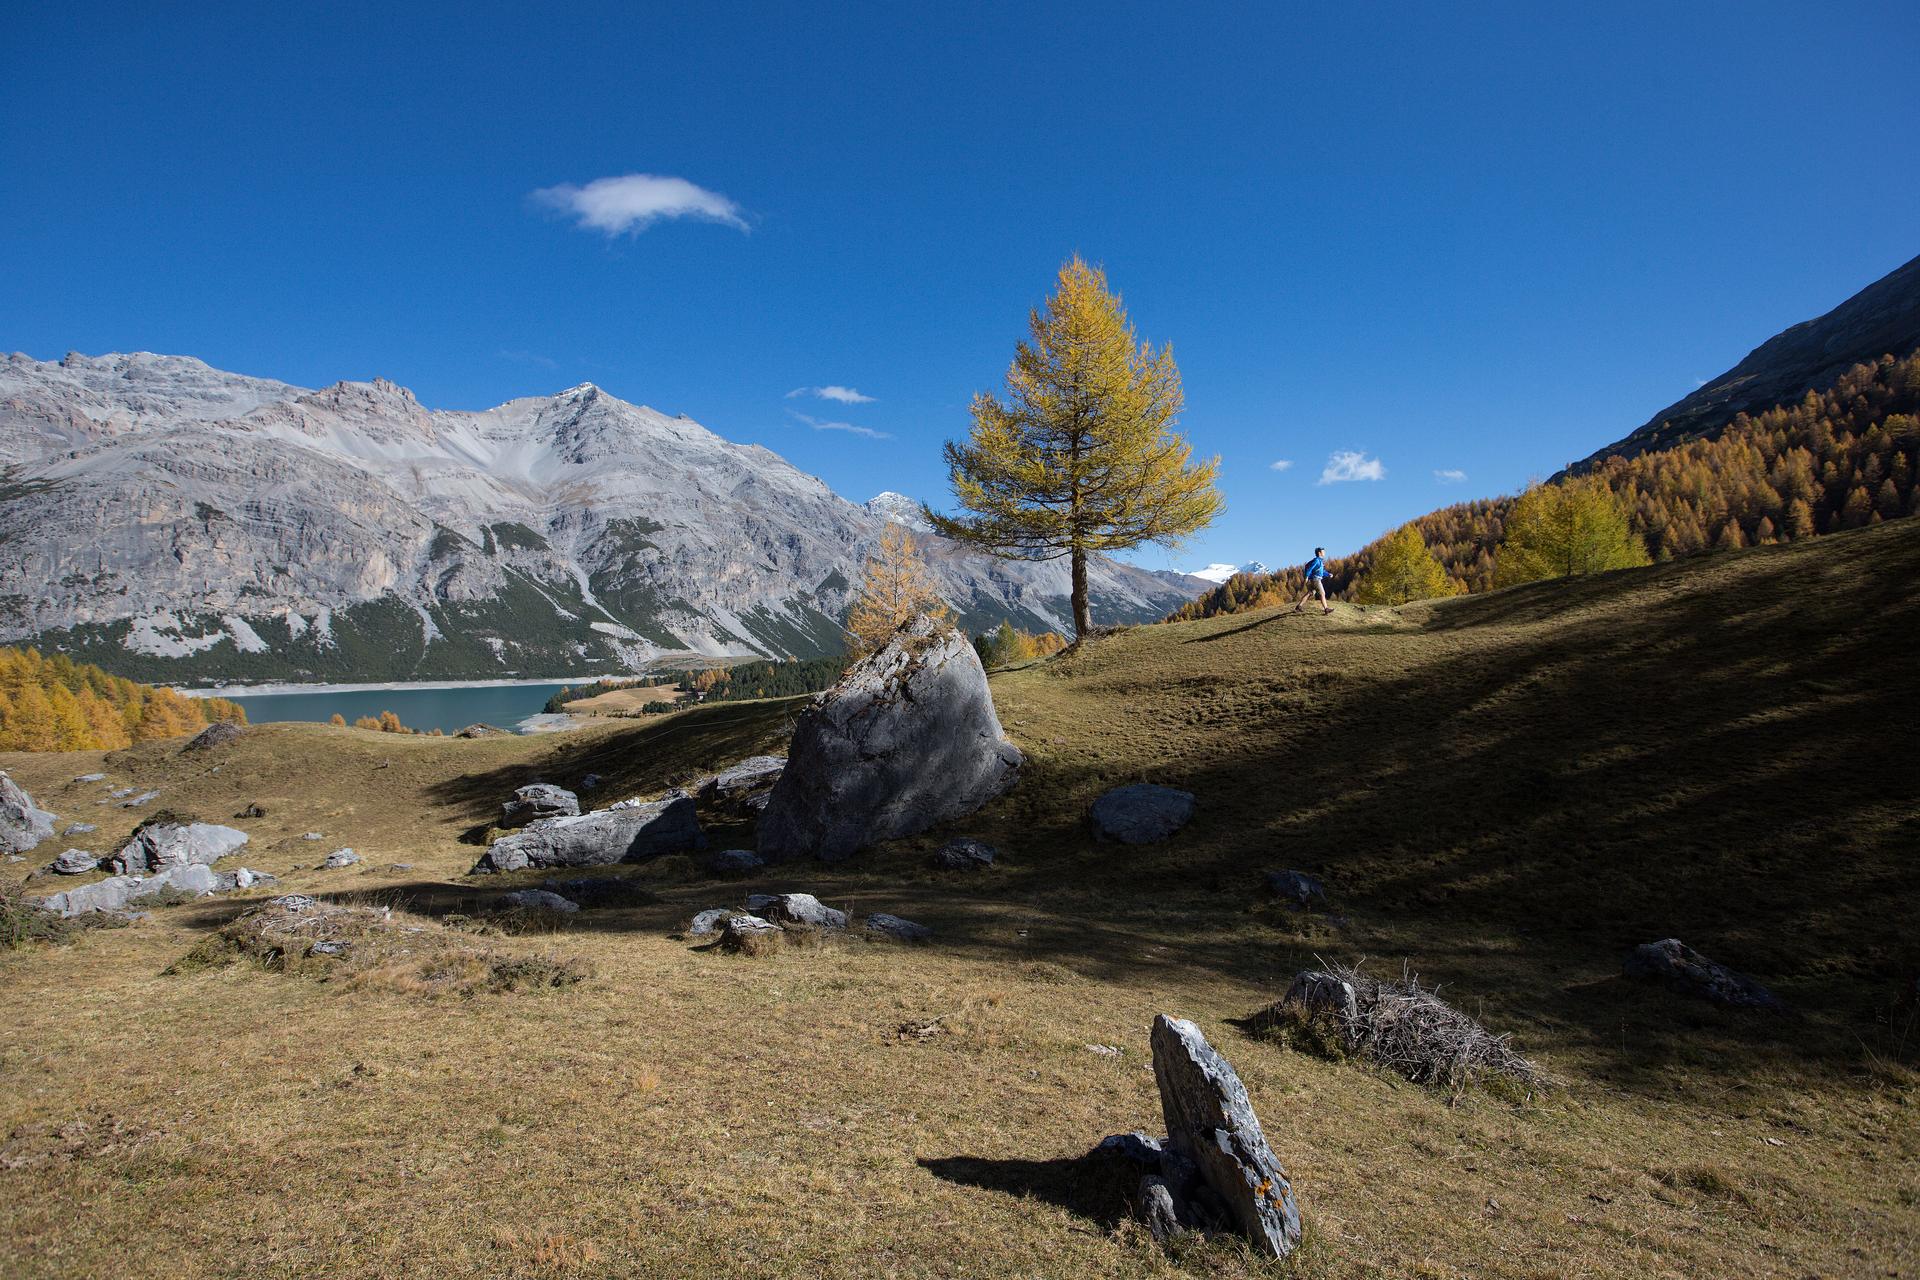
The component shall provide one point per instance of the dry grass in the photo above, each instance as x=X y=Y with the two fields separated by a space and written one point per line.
x=1506 y=791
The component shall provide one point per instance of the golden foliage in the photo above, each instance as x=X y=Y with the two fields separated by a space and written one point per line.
x=1563 y=530
x=897 y=589
x=1402 y=570
x=1081 y=455
x=57 y=704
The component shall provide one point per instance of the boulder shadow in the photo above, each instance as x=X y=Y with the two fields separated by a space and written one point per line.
x=1096 y=1186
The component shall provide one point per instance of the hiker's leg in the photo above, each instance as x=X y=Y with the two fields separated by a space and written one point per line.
x=1321 y=583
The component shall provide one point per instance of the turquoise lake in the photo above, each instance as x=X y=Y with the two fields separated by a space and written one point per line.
x=503 y=706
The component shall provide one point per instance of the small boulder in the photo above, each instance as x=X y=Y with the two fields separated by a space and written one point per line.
x=729 y=862
x=541 y=800
x=1673 y=963
x=1297 y=889
x=313 y=835
x=625 y=833
x=217 y=734
x=805 y=910
x=116 y=893
x=74 y=862
x=251 y=811
x=1143 y=813
x=1211 y=1122
x=589 y=782
x=1135 y=1146
x=539 y=900
x=963 y=854
x=907 y=739
x=79 y=829
x=709 y=922
x=23 y=824
x=744 y=787
x=141 y=800
x=91 y=777
x=481 y=731
x=244 y=878
x=750 y=934
x=159 y=845
x=899 y=930
x=339 y=858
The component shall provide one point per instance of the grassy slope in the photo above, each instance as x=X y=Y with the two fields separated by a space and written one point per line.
x=1505 y=790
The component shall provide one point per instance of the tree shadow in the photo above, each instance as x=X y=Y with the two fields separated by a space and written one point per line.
x=1096 y=1186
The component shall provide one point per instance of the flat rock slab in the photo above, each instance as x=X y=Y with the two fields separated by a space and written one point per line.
x=888 y=926
x=907 y=739
x=1143 y=813
x=74 y=862
x=116 y=893
x=964 y=854
x=160 y=845
x=801 y=909
x=540 y=900
x=339 y=858
x=625 y=833
x=1674 y=964
x=541 y=800
x=23 y=824
x=1210 y=1121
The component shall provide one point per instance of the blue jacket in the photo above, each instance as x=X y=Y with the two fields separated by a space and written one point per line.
x=1317 y=568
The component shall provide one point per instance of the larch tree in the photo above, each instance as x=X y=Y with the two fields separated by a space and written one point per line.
x=1576 y=527
x=1081 y=455
x=1404 y=569
x=898 y=588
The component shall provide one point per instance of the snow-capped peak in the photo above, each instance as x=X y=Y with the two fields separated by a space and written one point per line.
x=900 y=509
x=1221 y=572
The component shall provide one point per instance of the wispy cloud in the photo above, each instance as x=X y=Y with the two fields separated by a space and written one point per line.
x=635 y=201
x=818 y=425
x=845 y=395
x=1350 y=464
x=1450 y=476
x=1281 y=464
x=527 y=357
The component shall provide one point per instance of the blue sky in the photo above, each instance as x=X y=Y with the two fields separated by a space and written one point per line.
x=1480 y=240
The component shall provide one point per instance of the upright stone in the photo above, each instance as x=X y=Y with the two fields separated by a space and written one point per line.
x=907 y=739
x=23 y=824
x=1211 y=1122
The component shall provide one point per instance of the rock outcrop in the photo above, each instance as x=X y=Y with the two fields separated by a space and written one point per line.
x=119 y=893
x=624 y=833
x=159 y=845
x=74 y=862
x=1143 y=813
x=907 y=739
x=541 y=800
x=1674 y=964
x=217 y=734
x=23 y=824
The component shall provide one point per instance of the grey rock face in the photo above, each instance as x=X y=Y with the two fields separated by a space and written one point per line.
x=1673 y=963
x=628 y=834
x=74 y=862
x=217 y=734
x=541 y=800
x=907 y=739
x=539 y=900
x=1211 y=1122
x=964 y=854
x=23 y=824
x=160 y=845
x=1142 y=813
x=801 y=909
x=726 y=862
x=1297 y=889
x=896 y=928
x=339 y=858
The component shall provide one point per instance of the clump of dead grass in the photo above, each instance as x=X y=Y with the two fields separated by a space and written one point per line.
x=1340 y=1012
x=374 y=947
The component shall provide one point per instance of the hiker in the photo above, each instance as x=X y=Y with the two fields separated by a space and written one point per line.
x=1317 y=576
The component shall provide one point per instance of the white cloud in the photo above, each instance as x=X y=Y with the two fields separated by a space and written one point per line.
x=818 y=425
x=635 y=201
x=1450 y=476
x=845 y=395
x=1281 y=465
x=1350 y=464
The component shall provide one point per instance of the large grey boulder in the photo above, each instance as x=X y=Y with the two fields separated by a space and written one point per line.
x=117 y=893
x=907 y=739
x=160 y=845
x=1673 y=963
x=626 y=833
x=541 y=800
x=74 y=862
x=23 y=824
x=1210 y=1121
x=801 y=909
x=1143 y=813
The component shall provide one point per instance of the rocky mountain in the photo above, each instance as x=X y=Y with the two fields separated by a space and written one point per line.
x=900 y=509
x=171 y=521
x=1216 y=574
x=1882 y=319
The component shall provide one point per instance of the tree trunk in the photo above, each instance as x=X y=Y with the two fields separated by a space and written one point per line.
x=1082 y=613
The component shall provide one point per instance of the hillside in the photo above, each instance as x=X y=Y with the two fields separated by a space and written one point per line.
x=1505 y=791
x=175 y=522
x=1881 y=319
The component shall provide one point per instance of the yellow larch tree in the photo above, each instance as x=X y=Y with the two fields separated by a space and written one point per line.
x=898 y=588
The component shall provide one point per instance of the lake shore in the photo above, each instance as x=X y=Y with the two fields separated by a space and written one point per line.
x=275 y=688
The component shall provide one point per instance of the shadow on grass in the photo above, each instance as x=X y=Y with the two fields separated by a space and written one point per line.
x=1093 y=1186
